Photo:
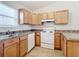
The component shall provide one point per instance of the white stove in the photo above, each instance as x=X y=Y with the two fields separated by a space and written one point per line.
x=47 y=38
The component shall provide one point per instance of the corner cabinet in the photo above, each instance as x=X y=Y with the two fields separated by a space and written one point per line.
x=11 y=47
x=25 y=16
x=61 y=17
x=72 y=49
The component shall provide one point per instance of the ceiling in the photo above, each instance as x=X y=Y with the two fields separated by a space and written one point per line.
x=32 y=5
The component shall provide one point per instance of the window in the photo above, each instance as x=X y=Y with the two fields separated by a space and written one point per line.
x=8 y=15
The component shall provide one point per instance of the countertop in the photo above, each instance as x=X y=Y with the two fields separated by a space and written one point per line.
x=6 y=35
x=71 y=36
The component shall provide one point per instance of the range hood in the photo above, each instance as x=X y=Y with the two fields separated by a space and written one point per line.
x=48 y=20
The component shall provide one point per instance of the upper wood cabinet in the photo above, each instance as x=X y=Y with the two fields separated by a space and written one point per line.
x=29 y=18
x=39 y=18
x=34 y=19
x=50 y=15
x=44 y=16
x=61 y=17
x=24 y=16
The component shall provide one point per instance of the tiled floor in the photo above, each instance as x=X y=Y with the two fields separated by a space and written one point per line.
x=42 y=52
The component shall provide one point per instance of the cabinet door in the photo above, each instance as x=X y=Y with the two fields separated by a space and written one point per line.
x=29 y=18
x=64 y=16
x=1 y=49
x=11 y=51
x=23 y=46
x=61 y=17
x=72 y=48
x=44 y=16
x=37 y=39
x=75 y=49
x=57 y=41
x=58 y=17
x=69 y=49
x=11 y=48
x=50 y=15
x=34 y=19
x=39 y=18
x=25 y=16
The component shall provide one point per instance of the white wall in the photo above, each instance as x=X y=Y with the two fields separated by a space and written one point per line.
x=73 y=8
x=15 y=28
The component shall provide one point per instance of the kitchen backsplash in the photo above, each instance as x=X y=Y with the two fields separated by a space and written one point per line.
x=15 y=28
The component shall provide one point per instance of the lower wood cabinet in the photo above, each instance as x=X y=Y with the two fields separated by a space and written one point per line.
x=11 y=47
x=37 y=39
x=57 y=40
x=23 y=45
x=72 y=49
x=1 y=49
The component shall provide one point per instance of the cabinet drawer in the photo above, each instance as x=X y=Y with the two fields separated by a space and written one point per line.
x=37 y=33
x=57 y=34
x=23 y=37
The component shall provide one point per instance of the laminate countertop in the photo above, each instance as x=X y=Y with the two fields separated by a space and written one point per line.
x=71 y=36
x=12 y=34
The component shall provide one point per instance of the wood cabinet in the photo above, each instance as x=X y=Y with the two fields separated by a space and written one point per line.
x=50 y=15
x=57 y=40
x=39 y=18
x=37 y=39
x=72 y=48
x=61 y=17
x=35 y=19
x=44 y=16
x=11 y=47
x=23 y=45
x=29 y=18
x=1 y=49
x=24 y=16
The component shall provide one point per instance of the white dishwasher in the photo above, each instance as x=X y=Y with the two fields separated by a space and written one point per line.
x=31 y=41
